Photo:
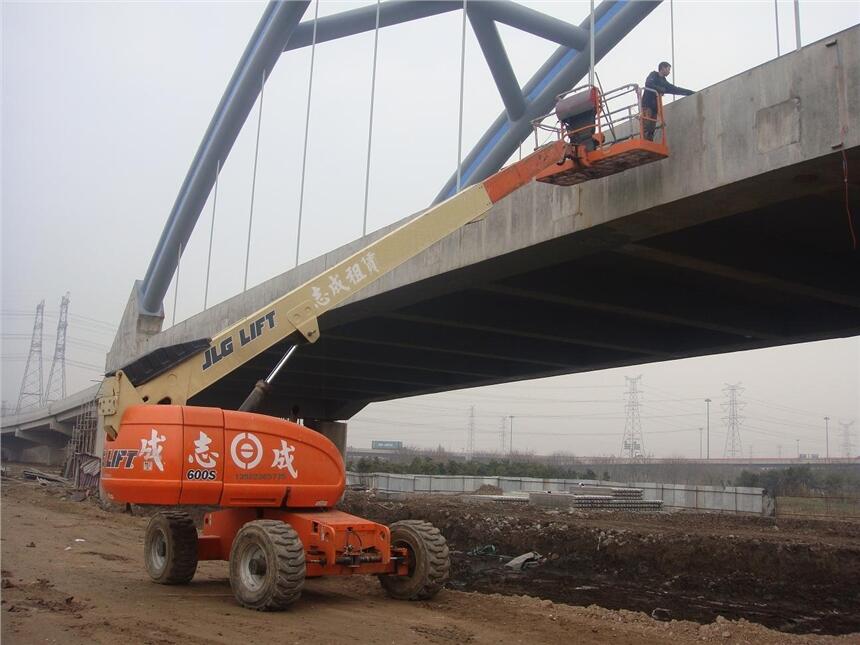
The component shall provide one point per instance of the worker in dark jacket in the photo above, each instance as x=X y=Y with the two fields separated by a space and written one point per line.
x=655 y=84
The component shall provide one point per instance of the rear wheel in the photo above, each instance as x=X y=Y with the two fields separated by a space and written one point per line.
x=428 y=561
x=267 y=565
x=170 y=548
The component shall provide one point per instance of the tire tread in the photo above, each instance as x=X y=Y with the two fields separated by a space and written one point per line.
x=290 y=554
x=434 y=548
x=182 y=535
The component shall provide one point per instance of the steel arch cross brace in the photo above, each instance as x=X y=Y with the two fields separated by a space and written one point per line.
x=566 y=67
x=279 y=30
x=497 y=59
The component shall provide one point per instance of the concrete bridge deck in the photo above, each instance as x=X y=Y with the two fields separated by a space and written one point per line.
x=40 y=435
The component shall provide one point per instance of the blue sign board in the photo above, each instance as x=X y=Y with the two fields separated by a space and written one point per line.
x=386 y=445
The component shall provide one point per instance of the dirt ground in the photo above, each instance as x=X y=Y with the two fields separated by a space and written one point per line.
x=796 y=576
x=73 y=573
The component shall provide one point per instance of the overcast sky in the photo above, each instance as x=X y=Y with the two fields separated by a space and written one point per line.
x=104 y=105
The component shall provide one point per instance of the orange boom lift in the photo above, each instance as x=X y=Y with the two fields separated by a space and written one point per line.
x=275 y=481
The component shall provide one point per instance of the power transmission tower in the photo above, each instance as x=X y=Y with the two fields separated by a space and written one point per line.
x=503 y=432
x=632 y=445
x=470 y=433
x=733 y=420
x=56 y=389
x=846 y=437
x=31 y=385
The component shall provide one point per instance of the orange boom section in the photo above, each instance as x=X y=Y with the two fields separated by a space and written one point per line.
x=171 y=455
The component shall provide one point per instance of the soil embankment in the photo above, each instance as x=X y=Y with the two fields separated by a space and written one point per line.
x=800 y=576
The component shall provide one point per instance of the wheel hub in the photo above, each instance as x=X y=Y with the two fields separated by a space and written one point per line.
x=158 y=552
x=253 y=567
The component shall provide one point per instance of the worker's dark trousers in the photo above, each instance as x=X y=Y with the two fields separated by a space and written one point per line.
x=649 y=122
x=582 y=133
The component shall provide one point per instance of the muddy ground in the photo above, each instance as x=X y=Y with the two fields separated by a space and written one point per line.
x=796 y=576
x=73 y=573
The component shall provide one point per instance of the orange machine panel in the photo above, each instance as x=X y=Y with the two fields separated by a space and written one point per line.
x=273 y=462
x=169 y=455
x=203 y=450
x=144 y=463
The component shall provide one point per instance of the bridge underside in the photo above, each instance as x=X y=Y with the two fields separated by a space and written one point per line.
x=763 y=262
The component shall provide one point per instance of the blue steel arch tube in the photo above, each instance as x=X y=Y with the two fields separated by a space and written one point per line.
x=268 y=41
x=279 y=30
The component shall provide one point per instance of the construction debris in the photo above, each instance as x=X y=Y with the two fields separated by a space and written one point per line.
x=597 y=498
x=88 y=473
x=514 y=498
x=487 y=549
x=488 y=489
x=525 y=561
x=615 y=492
x=43 y=477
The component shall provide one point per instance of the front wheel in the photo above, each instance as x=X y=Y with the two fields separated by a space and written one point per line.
x=267 y=565
x=428 y=561
x=170 y=548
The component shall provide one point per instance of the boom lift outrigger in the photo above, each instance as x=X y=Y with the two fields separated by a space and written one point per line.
x=276 y=481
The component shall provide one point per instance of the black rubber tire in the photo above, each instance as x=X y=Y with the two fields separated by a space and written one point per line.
x=429 y=564
x=170 y=548
x=277 y=546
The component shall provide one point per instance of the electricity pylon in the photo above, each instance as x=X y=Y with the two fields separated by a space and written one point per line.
x=31 y=384
x=56 y=387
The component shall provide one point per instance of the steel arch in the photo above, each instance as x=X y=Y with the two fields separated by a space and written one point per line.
x=279 y=30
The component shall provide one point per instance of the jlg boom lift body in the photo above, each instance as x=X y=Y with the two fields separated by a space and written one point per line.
x=276 y=481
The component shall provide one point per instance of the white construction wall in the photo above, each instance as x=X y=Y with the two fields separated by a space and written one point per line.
x=728 y=499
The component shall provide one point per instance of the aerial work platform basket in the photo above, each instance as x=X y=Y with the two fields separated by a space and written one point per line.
x=599 y=134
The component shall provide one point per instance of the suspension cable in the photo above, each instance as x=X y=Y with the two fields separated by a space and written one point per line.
x=591 y=45
x=370 y=124
x=672 y=38
x=211 y=234
x=776 y=23
x=254 y=182
x=606 y=107
x=307 y=129
x=176 y=284
x=797 y=23
x=460 y=122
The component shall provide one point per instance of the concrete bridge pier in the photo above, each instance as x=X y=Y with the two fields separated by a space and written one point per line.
x=135 y=329
x=334 y=431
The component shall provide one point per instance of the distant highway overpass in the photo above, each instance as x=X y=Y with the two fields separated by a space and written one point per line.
x=40 y=435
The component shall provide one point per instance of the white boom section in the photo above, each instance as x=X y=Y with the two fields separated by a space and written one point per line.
x=296 y=311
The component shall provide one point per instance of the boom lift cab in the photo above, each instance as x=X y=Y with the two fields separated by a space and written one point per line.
x=172 y=454
x=277 y=482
